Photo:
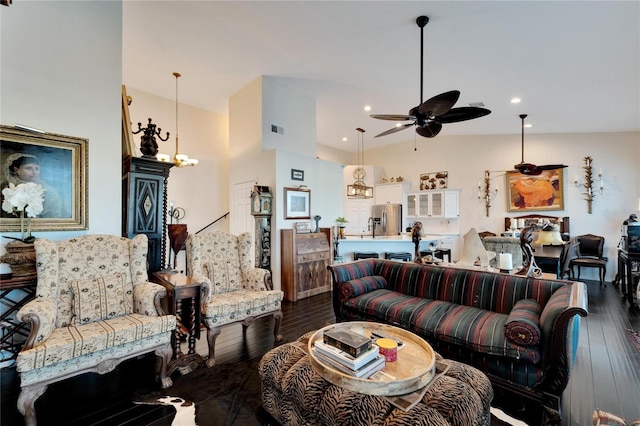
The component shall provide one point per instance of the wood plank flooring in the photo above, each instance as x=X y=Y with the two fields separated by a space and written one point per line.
x=606 y=373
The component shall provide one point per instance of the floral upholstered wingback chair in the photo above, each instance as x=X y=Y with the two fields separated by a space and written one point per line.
x=233 y=289
x=94 y=308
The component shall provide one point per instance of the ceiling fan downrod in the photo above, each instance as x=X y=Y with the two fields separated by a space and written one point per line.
x=422 y=21
x=522 y=117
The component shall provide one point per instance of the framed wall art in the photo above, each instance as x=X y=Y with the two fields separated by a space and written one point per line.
x=128 y=145
x=434 y=180
x=535 y=193
x=61 y=168
x=297 y=203
x=297 y=174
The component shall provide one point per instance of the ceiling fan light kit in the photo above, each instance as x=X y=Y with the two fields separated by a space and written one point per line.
x=429 y=116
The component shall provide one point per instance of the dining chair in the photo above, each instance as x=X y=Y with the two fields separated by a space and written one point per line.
x=590 y=255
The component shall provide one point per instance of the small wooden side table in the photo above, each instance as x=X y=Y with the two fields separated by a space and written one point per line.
x=183 y=301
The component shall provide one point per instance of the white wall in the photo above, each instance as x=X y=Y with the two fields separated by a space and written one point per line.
x=466 y=158
x=61 y=71
x=202 y=190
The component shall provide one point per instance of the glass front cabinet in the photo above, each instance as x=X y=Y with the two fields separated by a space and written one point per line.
x=440 y=203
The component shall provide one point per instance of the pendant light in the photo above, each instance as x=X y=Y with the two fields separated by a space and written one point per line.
x=180 y=160
x=359 y=189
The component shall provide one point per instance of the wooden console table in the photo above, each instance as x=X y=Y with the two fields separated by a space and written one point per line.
x=183 y=301
x=13 y=301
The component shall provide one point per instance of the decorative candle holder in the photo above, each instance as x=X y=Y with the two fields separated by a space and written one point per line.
x=485 y=193
x=589 y=181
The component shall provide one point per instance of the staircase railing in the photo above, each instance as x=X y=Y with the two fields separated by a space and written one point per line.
x=213 y=223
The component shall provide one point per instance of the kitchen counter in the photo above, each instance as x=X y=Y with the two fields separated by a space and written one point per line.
x=382 y=244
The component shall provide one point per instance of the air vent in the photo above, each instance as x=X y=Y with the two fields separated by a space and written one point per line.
x=477 y=104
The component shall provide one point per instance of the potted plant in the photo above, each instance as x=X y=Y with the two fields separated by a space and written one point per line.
x=341 y=225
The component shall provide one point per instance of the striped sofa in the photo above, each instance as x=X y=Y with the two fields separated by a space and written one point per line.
x=522 y=332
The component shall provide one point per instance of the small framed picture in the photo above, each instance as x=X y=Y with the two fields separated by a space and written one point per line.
x=297 y=174
x=297 y=203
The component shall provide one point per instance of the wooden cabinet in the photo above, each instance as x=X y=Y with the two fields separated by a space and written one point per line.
x=305 y=257
x=144 y=203
x=441 y=203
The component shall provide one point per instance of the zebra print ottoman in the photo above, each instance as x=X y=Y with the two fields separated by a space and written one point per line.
x=294 y=394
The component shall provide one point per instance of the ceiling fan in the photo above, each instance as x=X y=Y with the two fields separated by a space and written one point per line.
x=429 y=116
x=528 y=168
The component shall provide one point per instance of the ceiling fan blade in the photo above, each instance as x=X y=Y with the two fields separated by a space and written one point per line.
x=462 y=114
x=439 y=104
x=394 y=130
x=552 y=166
x=430 y=130
x=393 y=117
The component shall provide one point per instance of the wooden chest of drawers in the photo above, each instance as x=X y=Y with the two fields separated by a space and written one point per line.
x=305 y=257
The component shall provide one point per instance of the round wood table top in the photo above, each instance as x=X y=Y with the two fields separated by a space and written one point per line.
x=413 y=370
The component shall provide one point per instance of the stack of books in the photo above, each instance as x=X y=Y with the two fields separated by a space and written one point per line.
x=349 y=353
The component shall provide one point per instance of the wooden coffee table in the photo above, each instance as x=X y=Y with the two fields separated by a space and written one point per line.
x=413 y=370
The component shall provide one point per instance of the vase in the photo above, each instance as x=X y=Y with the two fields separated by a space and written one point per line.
x=21 y=257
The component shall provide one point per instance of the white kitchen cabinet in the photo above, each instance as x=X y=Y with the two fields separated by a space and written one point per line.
x=439 y=203
x=391 y=193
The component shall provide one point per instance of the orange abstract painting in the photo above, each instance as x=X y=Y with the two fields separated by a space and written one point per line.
x=535 y=193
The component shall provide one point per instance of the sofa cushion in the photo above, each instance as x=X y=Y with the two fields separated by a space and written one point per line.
x=476 y=329
x=99 y=299
x=224 y=276
x=523 y=323
x=73 y=342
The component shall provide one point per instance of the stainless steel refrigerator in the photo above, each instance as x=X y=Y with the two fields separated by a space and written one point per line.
x=390 y=216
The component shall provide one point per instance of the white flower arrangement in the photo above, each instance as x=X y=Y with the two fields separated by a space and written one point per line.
x=23 y=198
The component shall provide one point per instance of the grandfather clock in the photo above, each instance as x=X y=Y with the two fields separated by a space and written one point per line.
x=261 y=207
x=144 y=204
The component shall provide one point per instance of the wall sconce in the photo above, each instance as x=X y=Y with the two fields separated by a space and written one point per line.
x=485 y=193
x=590 y=193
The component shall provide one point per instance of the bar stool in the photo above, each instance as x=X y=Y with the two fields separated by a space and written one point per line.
x=439 y=253
x=357 y=255
x=404 y=256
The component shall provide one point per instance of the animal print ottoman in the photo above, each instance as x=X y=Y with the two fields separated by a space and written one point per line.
x=294 y=394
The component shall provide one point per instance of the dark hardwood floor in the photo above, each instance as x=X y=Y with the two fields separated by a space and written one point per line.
x=606 y=375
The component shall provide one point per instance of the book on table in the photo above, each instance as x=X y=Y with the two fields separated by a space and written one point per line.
x=367 y=370
x=346 y=358
x=347 y=340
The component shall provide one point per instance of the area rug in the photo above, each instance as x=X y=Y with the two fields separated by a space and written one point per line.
x=229 y=394
x=634 y=336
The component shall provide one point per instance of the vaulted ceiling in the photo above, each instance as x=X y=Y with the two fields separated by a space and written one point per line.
x=574 y=64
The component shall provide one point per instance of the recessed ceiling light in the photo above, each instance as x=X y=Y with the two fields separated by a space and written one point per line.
x=516 y=100
x=344 y=139
x=398 y=124
x=367 y=107
x=528 y=125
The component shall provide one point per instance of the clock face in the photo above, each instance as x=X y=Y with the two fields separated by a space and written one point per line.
x=359 y=173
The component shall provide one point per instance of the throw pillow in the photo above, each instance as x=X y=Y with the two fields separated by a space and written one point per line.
x=523 y=323
x=358 y=286
x=224 y=276
x=98 y=299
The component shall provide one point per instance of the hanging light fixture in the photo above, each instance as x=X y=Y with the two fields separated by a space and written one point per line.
x=180 y=160
x=359 y=189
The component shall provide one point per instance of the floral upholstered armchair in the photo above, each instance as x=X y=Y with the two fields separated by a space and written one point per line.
x=94 y=308
x=233 y=289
